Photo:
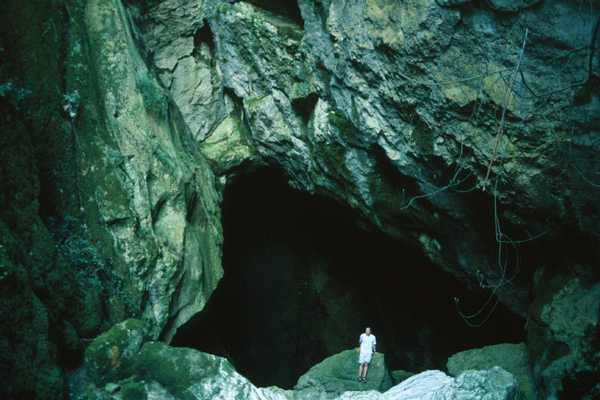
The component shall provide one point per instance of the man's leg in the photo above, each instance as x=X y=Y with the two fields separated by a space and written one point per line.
x=360 y=371
x=366 y=369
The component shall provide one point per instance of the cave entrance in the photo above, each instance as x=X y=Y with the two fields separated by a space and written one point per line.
x=302 y=280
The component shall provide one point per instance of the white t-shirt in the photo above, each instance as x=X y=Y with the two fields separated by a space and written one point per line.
x=367 y=343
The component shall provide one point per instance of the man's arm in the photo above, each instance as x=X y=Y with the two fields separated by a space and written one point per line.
x=374 y=344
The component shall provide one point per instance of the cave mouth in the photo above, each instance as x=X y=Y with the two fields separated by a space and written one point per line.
x=302 y=281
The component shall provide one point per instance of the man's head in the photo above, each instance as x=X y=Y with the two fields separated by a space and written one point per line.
x=368 y=330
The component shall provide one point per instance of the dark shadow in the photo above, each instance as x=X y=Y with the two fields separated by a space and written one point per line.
x=204 y=35
x=302 y=281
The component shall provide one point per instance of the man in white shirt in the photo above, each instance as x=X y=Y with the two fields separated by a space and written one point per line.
x=367 y=344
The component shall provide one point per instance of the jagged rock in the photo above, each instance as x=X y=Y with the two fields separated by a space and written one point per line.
x=337 y=374
x=511 y=357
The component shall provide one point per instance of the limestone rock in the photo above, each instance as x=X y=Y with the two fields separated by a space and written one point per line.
x=511 y=357
x=337 y=374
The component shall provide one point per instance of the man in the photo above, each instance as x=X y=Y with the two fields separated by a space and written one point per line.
x=367 y=344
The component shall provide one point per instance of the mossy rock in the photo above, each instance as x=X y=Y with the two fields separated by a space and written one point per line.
x=337 y=374
x=110 y=356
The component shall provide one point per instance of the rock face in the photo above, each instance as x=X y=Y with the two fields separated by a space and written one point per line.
x=107 y=210
x=398 y=123
x=453 y=126
x=120 y=366
x=511 y=357
x=337 y=374
x=156 y=197
x=467 y=129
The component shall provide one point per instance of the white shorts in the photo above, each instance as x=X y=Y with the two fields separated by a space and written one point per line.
x=365 y=357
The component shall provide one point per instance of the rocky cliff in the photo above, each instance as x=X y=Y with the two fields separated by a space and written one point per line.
x=465 y=129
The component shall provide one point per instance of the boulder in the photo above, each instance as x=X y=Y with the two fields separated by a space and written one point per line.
x=337 y=374
x=509 y=356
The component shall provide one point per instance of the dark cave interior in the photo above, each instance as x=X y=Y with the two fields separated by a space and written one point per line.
x=302 y=280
